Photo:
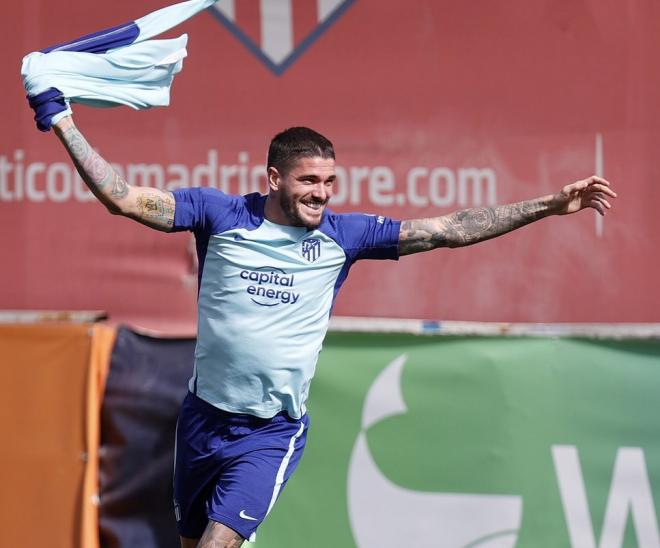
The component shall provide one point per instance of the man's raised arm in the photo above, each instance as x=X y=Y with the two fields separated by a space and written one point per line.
x=149 y=206
x=470 y=226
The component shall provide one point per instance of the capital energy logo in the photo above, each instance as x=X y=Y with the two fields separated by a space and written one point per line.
x=278 y=31
x=270 y=286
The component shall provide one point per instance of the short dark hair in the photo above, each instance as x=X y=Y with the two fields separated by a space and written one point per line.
x=294 y=143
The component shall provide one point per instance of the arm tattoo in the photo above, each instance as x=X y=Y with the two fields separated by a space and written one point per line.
x=468 y=226
x=119 y=187
x=149 y=206
x=101 y=179
x=217 y=535
x=156 y=210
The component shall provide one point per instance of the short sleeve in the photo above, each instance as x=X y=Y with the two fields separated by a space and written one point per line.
x=203 y=210
x=364 y=236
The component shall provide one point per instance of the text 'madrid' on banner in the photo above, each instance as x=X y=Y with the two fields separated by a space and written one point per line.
x=427 y=117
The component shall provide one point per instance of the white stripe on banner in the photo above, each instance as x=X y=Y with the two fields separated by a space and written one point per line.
x=279 y=479
x=600 y=171
x=326 y=7
x=226 y=8
x=276 y=29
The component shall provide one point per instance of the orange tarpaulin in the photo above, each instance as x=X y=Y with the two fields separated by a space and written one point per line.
x=51 y=383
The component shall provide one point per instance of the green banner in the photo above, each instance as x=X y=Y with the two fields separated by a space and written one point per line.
x=458 y=442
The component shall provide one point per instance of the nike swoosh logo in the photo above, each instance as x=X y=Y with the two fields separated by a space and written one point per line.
x=245 y=516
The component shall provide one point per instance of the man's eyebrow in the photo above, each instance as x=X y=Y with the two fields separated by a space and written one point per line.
x=315 y=177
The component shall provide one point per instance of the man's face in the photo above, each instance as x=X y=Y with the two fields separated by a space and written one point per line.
x=304 y=191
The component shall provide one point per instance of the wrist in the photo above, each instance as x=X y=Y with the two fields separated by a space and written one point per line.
x=63 y=124
x=551 y=204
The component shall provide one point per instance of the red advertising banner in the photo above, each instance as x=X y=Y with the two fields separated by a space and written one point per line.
x=432 y=106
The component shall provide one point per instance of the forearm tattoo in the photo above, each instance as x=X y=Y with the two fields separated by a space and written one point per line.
x=150 y=206
x=101 y=179
x=468 y=226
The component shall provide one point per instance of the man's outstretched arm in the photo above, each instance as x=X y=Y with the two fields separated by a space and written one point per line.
x=470 y=226
x=149 y=206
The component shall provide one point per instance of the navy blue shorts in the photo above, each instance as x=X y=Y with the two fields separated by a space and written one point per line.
x=229 y=467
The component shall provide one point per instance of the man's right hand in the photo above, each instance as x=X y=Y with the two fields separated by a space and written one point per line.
x=48 y=105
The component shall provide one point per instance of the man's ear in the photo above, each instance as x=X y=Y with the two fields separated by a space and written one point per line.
x=274 y=179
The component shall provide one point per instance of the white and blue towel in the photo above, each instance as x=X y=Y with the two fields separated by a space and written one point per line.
x=116 y=66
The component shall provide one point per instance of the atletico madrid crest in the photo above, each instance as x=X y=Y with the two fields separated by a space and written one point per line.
x=278 y=31
x=311 y=249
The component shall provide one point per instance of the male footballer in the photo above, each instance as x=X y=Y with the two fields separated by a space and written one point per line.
x=243 y=425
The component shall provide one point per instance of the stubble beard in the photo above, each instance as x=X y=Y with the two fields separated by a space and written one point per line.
x=290 y=207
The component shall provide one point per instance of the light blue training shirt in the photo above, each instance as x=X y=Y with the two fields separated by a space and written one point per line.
x=117 y=66
x=265 y=295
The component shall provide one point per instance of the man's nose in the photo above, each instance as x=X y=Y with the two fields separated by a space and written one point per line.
x=321 y=191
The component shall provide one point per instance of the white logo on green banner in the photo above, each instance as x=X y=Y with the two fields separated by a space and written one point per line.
x=382 y=513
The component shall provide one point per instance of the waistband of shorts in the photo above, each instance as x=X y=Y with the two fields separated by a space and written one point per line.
x=238 y=418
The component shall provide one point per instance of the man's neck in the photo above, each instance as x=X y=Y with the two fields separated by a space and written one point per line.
x=273 y=212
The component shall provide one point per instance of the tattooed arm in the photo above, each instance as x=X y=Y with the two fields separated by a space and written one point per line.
x=470 y=226
x=149 y=206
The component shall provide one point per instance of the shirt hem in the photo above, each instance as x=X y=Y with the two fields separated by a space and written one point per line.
x=266 y=414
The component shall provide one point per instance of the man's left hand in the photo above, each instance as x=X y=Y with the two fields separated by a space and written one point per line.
x=591 y=192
